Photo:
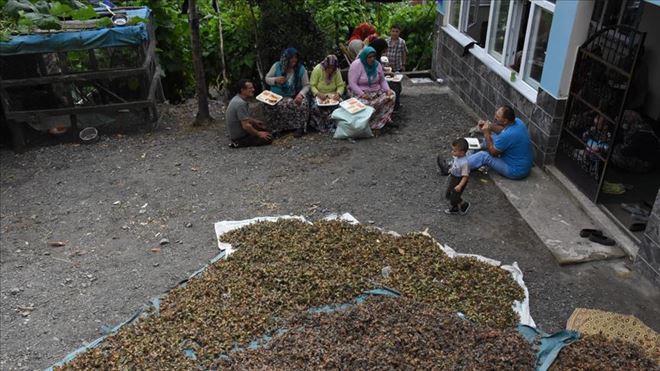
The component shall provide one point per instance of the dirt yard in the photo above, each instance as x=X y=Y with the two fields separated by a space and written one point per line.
x=113 y=202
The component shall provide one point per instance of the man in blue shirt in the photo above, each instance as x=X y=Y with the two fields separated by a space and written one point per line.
x=506 y=148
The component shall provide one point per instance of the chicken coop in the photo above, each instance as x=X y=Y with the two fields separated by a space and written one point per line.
x=82 y=75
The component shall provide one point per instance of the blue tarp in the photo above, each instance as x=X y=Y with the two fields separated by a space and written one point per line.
x=549 y=344
x=80 y=40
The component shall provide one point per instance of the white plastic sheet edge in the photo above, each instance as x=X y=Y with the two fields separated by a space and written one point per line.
x=522 y=308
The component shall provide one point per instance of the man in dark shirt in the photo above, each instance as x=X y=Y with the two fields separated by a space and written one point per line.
x=243 y=130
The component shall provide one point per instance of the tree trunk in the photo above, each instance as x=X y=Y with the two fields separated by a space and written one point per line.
x=256 y=44
x=225 y=80
x=203 y=114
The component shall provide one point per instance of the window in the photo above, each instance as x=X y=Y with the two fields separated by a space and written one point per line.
x=471 y=17
x=537 y=45
x=498 y=28
x=454 y=13
x=514 y=33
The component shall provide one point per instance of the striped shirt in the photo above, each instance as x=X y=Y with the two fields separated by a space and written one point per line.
x=395 y=52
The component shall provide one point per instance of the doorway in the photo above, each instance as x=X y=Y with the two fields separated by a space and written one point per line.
x=609 y=145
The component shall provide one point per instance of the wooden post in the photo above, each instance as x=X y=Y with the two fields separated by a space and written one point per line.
x=203 y=114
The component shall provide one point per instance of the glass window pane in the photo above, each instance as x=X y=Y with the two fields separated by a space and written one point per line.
x=498 y=30
x=477 y=24
x=537 y=46
x=517 y=41
x=454 y=13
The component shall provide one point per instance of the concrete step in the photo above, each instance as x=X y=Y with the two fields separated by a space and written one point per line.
x=555 y=216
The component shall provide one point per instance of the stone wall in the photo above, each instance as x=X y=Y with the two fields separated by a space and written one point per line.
x=648 y=257
x=484 y=91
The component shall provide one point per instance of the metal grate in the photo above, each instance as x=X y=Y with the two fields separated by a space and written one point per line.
x=603 y=71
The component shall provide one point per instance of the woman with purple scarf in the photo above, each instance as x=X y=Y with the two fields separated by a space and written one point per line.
x=326 y=83
x=366 y=81
x=289 y=79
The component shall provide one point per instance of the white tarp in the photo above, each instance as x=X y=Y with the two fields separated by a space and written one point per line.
x=522 y=308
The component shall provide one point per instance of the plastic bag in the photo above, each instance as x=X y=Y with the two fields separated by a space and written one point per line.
x=354 y=125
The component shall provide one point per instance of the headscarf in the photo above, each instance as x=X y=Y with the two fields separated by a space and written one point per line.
x=281 y=69
x=379 y=46
x=329 y=61
x=372 y=71
x=286 y=56
x=362 y=31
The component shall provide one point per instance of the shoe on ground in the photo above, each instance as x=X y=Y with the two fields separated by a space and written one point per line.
x=452 y=211
x=465 y=206
x=299 y=133
x=603 y=240
x=585 y=233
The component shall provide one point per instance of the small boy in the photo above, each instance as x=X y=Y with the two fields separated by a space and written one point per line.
x=458 y=178
x=397 y=51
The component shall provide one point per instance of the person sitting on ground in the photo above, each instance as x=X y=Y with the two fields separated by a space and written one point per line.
x=243 y=130
x=459 y=174
x=397 y=51
x=507 y=148
x=356 y=41
x=381 y=48
x=288 y=78
x=366 y=81
x=326 y=84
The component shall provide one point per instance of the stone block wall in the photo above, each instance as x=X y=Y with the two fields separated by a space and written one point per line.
x=484 y=91
x=648 y=257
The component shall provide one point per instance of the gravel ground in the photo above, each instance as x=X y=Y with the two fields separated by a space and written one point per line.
x=114 y=201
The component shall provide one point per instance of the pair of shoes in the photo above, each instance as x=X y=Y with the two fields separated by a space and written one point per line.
x=443 y=164
x=597 y=236
x=299 y=133
x=462 y=209
x=233 y=145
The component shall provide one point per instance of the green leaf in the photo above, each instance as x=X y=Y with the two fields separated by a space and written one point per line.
x=84 y=14
x=61 y=10
x=104 y=22
x=136 y=20
x=48 y=22
x=25 y=22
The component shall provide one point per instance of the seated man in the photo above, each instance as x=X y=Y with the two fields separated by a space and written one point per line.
x=506 y=148
x=245 y=131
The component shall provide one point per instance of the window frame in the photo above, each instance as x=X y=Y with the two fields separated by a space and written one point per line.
x=512 y=32
x=532 y=25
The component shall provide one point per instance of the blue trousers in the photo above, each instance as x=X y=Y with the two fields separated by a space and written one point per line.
x=483 y=158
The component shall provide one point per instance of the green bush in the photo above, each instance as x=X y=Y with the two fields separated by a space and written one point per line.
x=314 y=27
x=286 y=24
x=417 y=26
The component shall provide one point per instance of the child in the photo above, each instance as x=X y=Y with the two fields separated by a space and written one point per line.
x=458 y=178
x=397 y=51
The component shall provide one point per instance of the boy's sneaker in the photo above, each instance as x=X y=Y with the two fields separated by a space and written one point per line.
x=465 y=206
x=452 y=211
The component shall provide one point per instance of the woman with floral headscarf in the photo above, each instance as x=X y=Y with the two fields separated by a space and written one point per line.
x=288 y=78
x=326 y=83
x=366 y=81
